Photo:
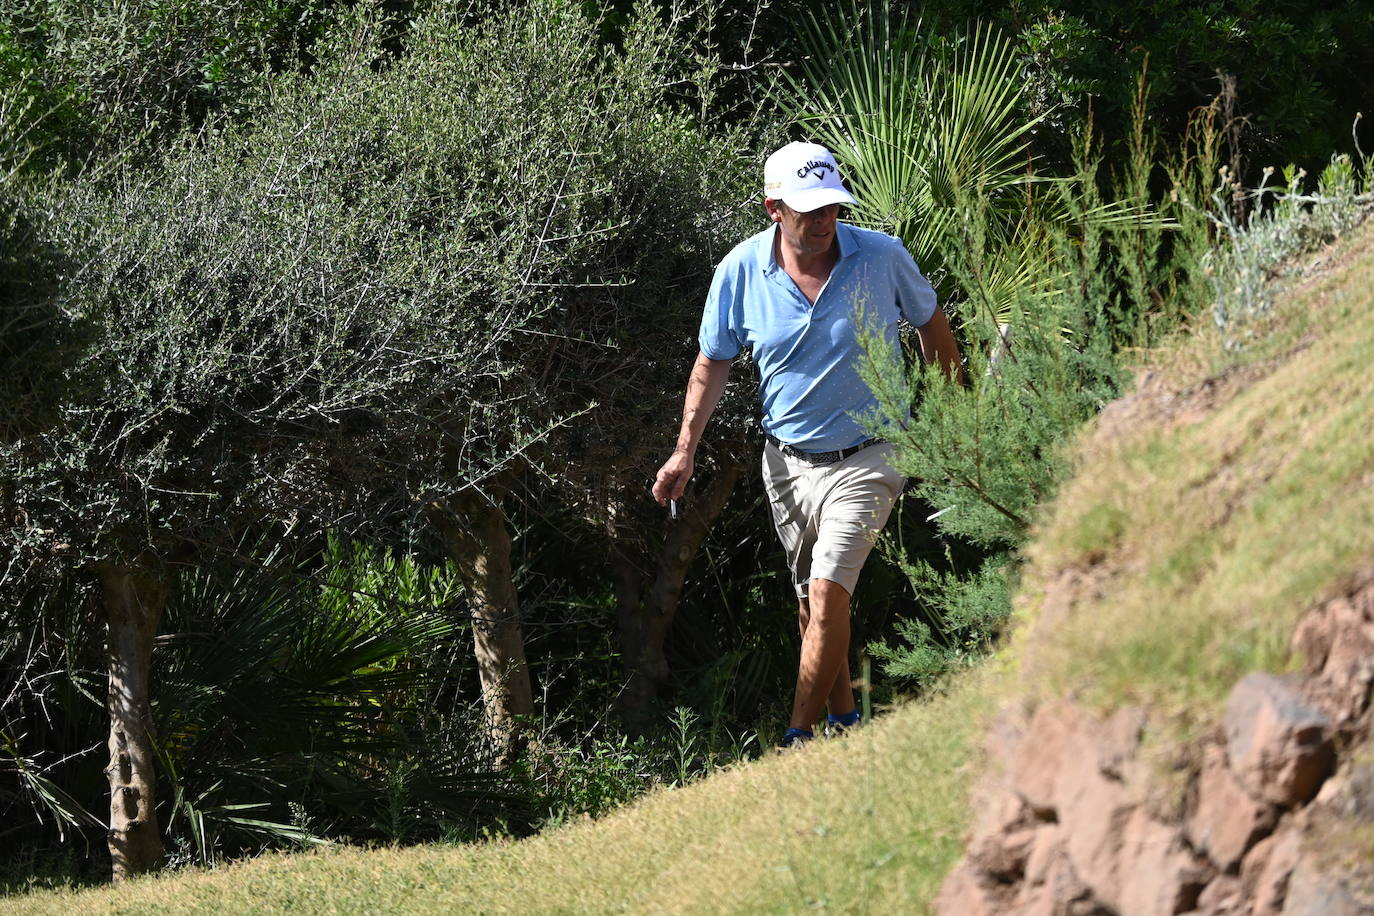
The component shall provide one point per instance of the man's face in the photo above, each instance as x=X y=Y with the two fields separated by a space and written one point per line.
x=810 y=233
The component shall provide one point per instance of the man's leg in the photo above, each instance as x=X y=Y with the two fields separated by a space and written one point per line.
x=840 y=698
x=823 y=675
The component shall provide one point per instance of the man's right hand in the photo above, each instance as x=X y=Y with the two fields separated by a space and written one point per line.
x=703 y=391
x=672 y=478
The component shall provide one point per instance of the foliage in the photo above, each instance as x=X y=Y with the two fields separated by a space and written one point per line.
x=1298 y=68
x=987 y=456
x=602 y=770
x=1287 y=222
x=958 y=617
x=915 y=132
x=323 y=317
x=923 y=124
x=333 y=295
x=888 y=805
x=754 y=830
x=111 y=76
x=337 y=264
x=290 y=710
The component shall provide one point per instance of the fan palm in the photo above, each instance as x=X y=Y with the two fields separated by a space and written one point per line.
x=936 y=147
x=918 y=133
x=281 y=705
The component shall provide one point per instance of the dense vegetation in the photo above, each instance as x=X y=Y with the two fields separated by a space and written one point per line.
x=338 y=343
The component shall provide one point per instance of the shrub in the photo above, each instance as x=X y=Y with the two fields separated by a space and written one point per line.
x=1287 y=222
x=986 y=457
x=397 y=276
x=108 y=75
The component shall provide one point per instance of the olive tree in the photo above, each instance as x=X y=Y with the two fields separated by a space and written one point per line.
x=364 y=308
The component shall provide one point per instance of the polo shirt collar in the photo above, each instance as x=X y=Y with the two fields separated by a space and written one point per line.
x=849 y=244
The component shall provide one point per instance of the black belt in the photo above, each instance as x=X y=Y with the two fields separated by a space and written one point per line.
x=819 y=457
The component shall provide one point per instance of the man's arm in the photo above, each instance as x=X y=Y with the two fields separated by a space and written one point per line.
x=704 y=389
x=939 y=348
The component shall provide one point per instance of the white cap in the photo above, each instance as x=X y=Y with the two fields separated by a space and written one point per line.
x=805 y=177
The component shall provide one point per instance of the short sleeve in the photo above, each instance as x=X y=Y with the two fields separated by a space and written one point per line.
x=719 y=336
x=915 y=296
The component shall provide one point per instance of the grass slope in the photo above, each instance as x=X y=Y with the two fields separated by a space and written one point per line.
x=1207 y=512
x=871 y=822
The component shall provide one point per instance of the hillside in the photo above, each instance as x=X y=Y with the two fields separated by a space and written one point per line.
x=1230 y=495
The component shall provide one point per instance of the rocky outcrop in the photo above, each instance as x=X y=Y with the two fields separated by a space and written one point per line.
x=1077 y=815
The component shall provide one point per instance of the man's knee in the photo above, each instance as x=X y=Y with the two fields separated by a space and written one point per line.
x=828 y=600
x=826 y=591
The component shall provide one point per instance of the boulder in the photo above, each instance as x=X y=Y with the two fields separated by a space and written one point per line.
x=1226 y=820
x=966 y=892
x=1157 y=874
x=1003 y=855
x=1118 y=742
x=1278 y=745
x=1224 y=896
x=1039 y=757
x=1048 y=846
x=1057 y=890
x=1093 y=813
x=1265 y=870
x=1337 y=643
x=1314 y=892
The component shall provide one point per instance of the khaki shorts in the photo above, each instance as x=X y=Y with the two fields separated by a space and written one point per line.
x=829 y=515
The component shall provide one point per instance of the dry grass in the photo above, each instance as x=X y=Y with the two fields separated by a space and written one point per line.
x=866 y=824
x=1209 y=510
x=1213 y=508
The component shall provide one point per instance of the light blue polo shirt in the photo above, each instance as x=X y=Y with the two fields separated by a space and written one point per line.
x=807 y=354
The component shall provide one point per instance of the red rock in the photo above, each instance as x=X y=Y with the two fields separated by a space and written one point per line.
x=999 y=811
x=1039 y=757
x=1337 y=643
x=1349 y=794
x=1003 y=855
x=1119 y=741
x=1265 y=870
x=1313 y=892
x=1224 y=896
x=1093 y=813
x=1226 y=821
x=1279 y=746
x=1049 y=844
x=1158 y=874
x=1036 y=901
x=1057 y=890
x=966 y=893
x=1069 y=896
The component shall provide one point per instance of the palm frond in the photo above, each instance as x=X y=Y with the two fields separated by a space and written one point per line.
x=916 y=132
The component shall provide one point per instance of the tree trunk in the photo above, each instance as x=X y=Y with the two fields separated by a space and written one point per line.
x=475 y=536
x=133 y=600
x=645 y=606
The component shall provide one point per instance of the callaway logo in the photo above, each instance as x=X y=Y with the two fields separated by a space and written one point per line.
x=819 y=166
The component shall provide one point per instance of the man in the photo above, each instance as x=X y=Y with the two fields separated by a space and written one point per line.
x=792 y=294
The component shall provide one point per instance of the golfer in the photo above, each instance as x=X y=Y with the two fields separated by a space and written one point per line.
x=794 y=295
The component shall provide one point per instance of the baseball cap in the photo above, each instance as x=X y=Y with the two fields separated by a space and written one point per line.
x=804 y=176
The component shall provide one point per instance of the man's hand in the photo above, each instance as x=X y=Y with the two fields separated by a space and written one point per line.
x=704 y=389
x=672 y=478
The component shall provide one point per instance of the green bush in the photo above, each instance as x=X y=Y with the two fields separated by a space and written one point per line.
x=1290 y=62
x=291 y=710
x=400 y=274
x=985 y=457
x=106 y=73
x=394 y=281
x=1287 y=222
